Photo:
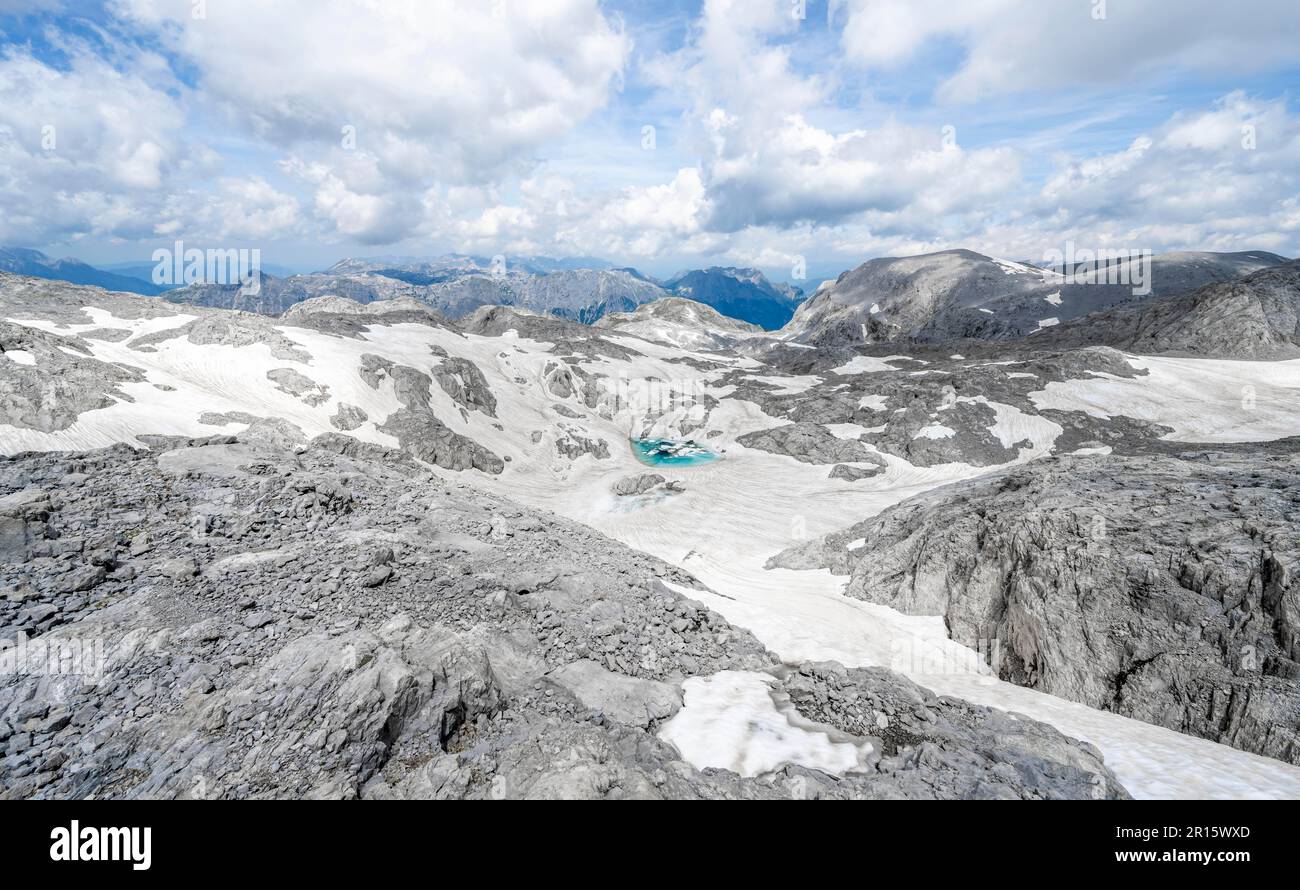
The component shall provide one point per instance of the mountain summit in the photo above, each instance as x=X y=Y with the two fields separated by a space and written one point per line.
x=745 y=294
x=955 y=294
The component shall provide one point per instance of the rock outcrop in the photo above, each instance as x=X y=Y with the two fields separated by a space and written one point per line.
x=1255 y=317
x=1160 y=588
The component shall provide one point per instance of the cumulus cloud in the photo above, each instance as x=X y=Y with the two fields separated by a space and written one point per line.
x=379 y=101
x=239 y=208
x=768 y=163
x=1212 y=178
x=86 y=137
x=1017 y=45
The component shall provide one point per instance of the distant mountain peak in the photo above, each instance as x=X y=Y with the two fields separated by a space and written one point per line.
x=740 y=293
x=26 y=261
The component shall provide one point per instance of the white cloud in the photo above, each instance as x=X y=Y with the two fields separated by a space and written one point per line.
x=429 y=85
x=380 y=102
x=236 y=207
x=1211 y=178
x=1018 y=45
x=769 y=163
x=80 y=138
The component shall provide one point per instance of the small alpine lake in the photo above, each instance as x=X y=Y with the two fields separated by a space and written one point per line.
x=672 y=452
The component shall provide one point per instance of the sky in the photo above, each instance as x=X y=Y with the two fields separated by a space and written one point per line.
x=801 y=137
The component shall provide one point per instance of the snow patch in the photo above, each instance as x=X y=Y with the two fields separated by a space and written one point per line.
x=845 y=430
x=1201 y=400
x=788 y=385
x=935 y=431
x=731 y=721
x=867 y=364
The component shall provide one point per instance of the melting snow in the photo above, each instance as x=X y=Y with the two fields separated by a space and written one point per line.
x=1202 y=400
x=845 y=430
x=867 y=364
x=1010 y=268
x=20 y=356
x=730 y=720
x=788 y=385
x=935 y=431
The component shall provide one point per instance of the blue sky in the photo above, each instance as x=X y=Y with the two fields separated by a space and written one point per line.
x=865 y=128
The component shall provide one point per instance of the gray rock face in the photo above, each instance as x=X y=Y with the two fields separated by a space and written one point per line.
x=573 y=445
x=345 y=318
x=24 y=523
x=961 y=432
x=274 y=432
x=61 y=382
x=410 y=386
x=956 y=294
x=348 y=417
x=422 y=435
x=581 y=295
x=854 y=474
x=299 y=385
x=227 y=329
x=569 y=337
x=640 y=484
x=1156 y=587
x=963 y=746
x=417 y=429
x=464 y=382
x=584 y=294
x=505 y=653
x=629 y=700
x=679 y=311
x=1256 y=317
x=810 y=443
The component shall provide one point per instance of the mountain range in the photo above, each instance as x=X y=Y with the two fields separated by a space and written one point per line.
x=577 y=288
x=23 y=261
